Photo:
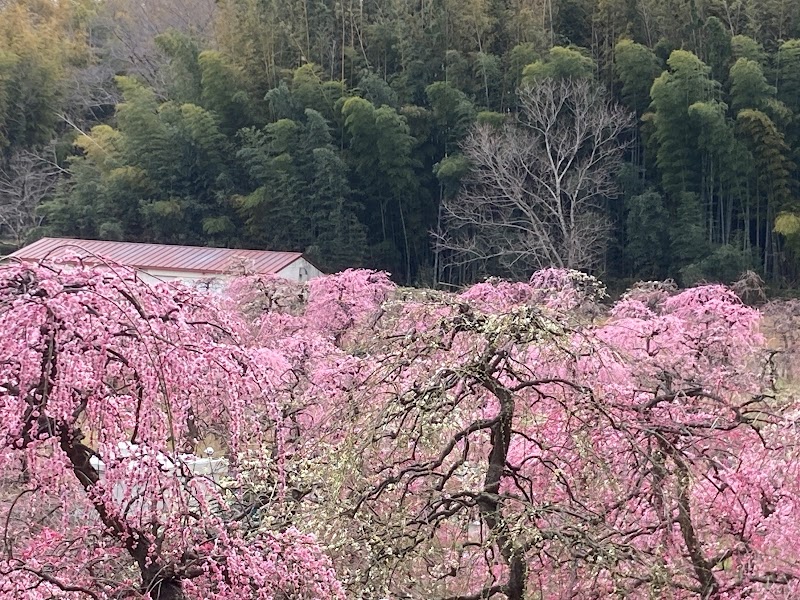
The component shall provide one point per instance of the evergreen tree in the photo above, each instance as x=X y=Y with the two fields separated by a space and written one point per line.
x=303 y=201
x=230 y=121
x=771 y=174
x=743 y=46
x=273 y=213
x=647 y=247
x=687 y=81
x=454 y=114
x=341 y=240
x=560 y=63
x=223 y=93
x=749 y=87
x=36 y=54
x=101 y=198
x=787 y=61
x=184 y=75
x=160 y=176
x=769 y=151
x=717 y=47
x=688 y=243
x=380 y=150
x=517 y=58
x=636 y=66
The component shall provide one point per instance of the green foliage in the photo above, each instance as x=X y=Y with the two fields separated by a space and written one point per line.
x=35 y=54
x=573 y=21
x=453 y=112
x=749 y=87
x=29 y=90
x=718 y=47
x=688 y=242
x=222 y=92
x=489 y=71
x=303 y=200
x=184 y=82
x=281 y=102
x=725 y=264
x=450 y=171
x=715 y=138
x=101 y=199
x=560 y=63
x=307 y=89
x=380 y=150
x=636 y=67
x=743 y=46
x=519 y=57
x=787 y=63
x=341 y=239
x=157 y=177
x=337 y=128
x=686 y=82
x=494 y=119
x=787 y=224
x=769 y=151
x=8 y=64
x=375 y=89
x=647 y=246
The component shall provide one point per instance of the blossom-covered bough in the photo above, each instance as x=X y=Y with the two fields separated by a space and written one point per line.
x=512 y=442
x=90 y=359
x=515 y=441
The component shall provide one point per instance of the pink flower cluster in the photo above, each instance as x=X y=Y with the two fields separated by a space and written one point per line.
x=387 y=443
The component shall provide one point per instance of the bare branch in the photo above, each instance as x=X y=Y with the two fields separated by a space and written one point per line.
x=537 y=192
x=28 y=179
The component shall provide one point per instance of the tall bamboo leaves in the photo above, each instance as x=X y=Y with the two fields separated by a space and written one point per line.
x=636 y=66
x=380 y=150
x=303 y=200
x=686 y=82
x=161 y=172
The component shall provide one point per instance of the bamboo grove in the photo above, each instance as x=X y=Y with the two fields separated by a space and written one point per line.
x=339 y=127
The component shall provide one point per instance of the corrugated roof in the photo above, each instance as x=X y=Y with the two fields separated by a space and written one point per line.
x=196 y=259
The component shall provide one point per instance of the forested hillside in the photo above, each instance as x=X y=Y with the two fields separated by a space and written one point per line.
x=662 y=135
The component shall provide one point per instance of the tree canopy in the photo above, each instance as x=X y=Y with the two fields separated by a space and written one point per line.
x=191 y=94
x=377 y=442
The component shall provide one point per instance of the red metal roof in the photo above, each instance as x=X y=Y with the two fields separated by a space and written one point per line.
x=195 y=259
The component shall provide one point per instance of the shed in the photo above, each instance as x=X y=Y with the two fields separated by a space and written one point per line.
x=162 y=262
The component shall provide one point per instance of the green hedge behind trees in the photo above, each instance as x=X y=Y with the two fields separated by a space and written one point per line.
x=334 y=127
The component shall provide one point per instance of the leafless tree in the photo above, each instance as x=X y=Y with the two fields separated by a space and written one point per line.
x=91 y=92
x=127 y=29
x=537 y=190
x=782 y=328
x=25 y=181
x=750 y=288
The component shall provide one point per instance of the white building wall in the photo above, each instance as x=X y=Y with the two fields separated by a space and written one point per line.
x=153 y=276
x=300 y=270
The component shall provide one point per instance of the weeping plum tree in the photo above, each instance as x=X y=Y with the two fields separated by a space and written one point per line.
x=105 y=385
x=502 y=443
x=498 y=443
x=537 y=192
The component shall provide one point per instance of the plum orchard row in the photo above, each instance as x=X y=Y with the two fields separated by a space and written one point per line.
x=513 y=441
